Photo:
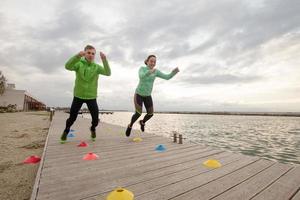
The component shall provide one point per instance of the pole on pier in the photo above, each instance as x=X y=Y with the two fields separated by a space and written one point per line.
x=175 y=137
x=180 y=139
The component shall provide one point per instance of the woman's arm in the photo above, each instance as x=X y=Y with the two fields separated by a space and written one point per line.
x=166 y=76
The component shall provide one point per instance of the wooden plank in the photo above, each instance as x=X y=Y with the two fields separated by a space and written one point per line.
x=169 y=186
x=123 y=154
x=284 y=188
x=125 y=178
x=297 y=195
x=172 y=190
x=181 y=172
x=177 y=173
x=134 y=160
x=220 y=185
x=251 y=187
x=128 y=167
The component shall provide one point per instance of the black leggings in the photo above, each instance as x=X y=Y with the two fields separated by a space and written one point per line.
x=75 y=107
x=138 y=103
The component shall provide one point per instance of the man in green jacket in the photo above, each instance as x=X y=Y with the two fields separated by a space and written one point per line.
x=86 y=84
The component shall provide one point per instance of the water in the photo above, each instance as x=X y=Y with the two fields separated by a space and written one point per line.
x=274 y=138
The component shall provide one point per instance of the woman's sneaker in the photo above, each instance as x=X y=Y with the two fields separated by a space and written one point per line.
x=142 y=125
x=128 y=131
x=93 y=134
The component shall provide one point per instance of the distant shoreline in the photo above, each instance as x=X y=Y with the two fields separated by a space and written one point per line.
x=275 y=114
x=238 y=113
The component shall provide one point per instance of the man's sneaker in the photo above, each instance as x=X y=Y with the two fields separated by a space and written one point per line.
x=128 y=131
x=93 y=134
x=63 y=138
x=142 y=125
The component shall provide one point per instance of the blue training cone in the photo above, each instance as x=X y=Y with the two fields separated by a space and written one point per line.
x=160 y=148
x=70 y=135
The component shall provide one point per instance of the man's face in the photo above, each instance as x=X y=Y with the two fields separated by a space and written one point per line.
x=90 y=54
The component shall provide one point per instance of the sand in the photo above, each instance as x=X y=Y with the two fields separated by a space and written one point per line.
x=22 y=134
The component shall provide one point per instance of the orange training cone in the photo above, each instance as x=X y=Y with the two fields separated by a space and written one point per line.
x=32 y=160
x=90 y=156
x=82 y=144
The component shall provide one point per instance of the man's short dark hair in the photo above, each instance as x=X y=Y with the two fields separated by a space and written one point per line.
x=89 y=47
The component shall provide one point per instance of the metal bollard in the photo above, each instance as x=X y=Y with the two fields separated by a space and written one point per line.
x=175 y=138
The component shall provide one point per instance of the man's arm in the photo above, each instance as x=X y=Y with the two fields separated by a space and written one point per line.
x=71 y=64
x=106 y=69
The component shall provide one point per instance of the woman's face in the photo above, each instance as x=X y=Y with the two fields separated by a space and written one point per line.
x=151 y=62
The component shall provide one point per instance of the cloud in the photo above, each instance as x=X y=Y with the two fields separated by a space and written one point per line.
x=219 y=79
x=229 y=45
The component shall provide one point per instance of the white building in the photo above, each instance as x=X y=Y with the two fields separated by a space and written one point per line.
x=21 y=98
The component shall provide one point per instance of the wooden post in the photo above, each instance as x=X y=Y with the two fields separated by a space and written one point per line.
x=175 y=138
x=180 y=139
x=51 y=115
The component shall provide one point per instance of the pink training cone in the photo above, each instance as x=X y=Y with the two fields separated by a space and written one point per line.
x=90 y=156
x=82 y=144
x=32 y=160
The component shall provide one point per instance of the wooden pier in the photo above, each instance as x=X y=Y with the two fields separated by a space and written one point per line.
x=177 y=173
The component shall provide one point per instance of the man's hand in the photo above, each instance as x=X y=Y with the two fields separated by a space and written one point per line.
x=81 y=54
x=176 y=70
x=102 y=55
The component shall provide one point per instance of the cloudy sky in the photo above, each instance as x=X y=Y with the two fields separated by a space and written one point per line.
x=233 y=55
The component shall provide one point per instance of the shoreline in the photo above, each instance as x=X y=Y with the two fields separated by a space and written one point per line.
x=237 y=113
x=271 y=114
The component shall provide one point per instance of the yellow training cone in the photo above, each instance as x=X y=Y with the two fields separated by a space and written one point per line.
x=212 y=164
x=137 y=139
x=120 y=194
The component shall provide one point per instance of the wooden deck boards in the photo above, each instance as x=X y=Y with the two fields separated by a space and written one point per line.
x=177 y=173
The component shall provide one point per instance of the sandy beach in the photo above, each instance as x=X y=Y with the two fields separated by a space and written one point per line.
x=22 y=134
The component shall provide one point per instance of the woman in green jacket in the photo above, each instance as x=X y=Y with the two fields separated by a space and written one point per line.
x=147 y=75
x=86 y=85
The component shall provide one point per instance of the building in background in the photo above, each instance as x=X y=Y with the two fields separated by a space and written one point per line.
x=21 y=98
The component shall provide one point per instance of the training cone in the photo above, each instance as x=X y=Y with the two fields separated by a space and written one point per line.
x=32 y=160
x=82 y=144
x=90 y=156
x=212 y=164
x=160 y=148
x=137 y=139
x=120 y=194
x=70 y=135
